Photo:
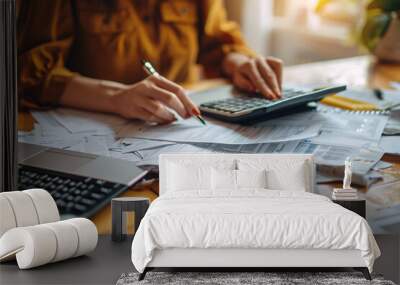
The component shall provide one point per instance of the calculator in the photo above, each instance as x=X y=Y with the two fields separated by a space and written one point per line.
x=231 y=105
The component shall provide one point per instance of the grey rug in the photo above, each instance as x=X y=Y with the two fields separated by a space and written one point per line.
x=232 y=278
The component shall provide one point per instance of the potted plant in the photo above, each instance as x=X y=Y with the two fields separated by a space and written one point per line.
x=379 y=28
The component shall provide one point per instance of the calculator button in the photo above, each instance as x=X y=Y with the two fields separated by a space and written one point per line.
x=244 y=103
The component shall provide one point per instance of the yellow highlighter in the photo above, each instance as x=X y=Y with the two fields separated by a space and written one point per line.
x=348 y=103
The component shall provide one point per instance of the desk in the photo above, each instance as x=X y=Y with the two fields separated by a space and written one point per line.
x=357 y=71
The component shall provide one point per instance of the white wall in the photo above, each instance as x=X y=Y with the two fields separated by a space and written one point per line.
x=254 y=17
x=269 y=35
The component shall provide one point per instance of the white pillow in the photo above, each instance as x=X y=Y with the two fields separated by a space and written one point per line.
x=223 y=179
x=182 y=177
x=226 y=179
x=282 y=174
x=251 y=178
x=280 y=180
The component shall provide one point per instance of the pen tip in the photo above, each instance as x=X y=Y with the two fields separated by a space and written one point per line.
x=201 y=120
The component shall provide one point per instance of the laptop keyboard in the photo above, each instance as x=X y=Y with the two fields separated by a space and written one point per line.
x=239 y=104
x=76 y=195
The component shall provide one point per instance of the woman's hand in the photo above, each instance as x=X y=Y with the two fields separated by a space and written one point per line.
x=148 y=100
x=263 y=75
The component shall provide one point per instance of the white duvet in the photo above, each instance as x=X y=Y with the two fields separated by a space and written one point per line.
x=250 y=219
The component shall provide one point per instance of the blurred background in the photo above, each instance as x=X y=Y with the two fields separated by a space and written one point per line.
x=308 y=30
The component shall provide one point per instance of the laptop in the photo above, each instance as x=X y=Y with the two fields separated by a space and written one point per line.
x=80 y=183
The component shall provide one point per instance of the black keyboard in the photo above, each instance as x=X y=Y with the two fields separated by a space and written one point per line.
x=74 y=195
x=244 y=107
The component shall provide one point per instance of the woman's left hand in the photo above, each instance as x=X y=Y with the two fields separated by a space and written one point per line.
x=263 y=75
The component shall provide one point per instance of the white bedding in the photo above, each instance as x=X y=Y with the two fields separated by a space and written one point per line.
x=250 y=218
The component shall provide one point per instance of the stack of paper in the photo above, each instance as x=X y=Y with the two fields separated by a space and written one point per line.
x=344 y=194
x=341 y=129
x=190 y=131
x=393 y=125
x=384 y=206
x=51 y=131
x=331 y=135
x=390 y=144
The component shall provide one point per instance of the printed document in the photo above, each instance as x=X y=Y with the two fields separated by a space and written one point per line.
x=342 y=129
x=36 y=137
x=191 y=131
x=92 y=144
x=389 y=97
x=127 y=145
x=390 y=144
x=77 y=121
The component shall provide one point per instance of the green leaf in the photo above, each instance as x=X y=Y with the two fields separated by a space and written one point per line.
x=375 y=27
x=385 y=5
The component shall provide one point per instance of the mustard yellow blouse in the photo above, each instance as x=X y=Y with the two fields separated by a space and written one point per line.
x=58 y=39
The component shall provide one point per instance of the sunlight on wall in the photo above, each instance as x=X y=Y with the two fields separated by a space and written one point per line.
x=294 y=31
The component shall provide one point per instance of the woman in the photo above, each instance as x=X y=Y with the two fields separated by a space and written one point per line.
x=87 y=54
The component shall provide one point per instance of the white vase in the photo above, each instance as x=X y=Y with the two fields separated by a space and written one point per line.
x=388 y=48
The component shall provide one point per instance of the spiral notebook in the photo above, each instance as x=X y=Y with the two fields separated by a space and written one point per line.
x=324 y=108
x=361 y=101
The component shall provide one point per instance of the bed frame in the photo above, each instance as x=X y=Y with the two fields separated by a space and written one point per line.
x=242 y=259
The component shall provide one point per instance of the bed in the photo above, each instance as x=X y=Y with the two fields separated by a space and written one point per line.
x=247 y=211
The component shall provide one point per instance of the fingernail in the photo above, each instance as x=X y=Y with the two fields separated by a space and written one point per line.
x=195 y=112
x=270 y=95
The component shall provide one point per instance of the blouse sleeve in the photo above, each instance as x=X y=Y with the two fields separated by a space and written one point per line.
x=218 y=36
x=45 y=35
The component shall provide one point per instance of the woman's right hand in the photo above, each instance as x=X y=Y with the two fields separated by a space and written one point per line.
x=148 y=100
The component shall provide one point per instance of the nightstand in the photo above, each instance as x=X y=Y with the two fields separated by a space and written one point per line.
x=119 y=207
x=357 y=206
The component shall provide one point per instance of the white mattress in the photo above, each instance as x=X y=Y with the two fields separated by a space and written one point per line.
x=257 y=219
